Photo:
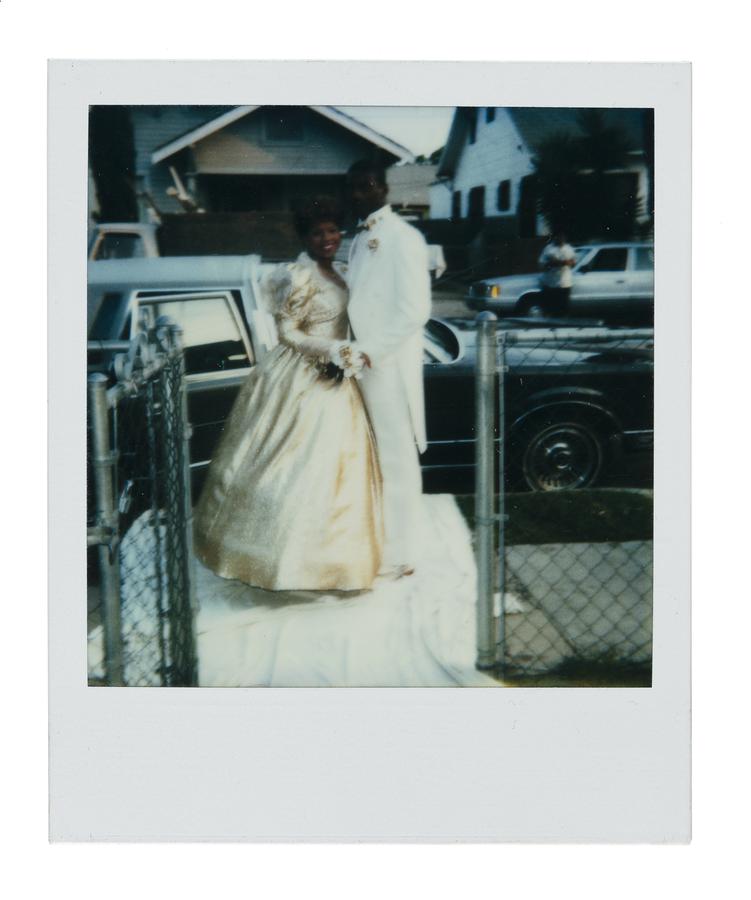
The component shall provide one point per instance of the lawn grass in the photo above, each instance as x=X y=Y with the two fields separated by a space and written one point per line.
x=577 y=673
x=560 y=517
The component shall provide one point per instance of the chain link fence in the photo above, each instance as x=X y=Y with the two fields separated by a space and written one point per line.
x=565 y=571
x=141 y=632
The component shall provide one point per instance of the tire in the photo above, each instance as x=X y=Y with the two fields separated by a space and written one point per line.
x=556 y=451
x=530 y=305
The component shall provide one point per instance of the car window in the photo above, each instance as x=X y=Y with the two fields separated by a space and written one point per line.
x=119 y=246
x=441 y=341
x=212 y=334
x=609 y=259
x=645 y=258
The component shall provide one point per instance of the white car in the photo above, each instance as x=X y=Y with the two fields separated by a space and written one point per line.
x=608 y=280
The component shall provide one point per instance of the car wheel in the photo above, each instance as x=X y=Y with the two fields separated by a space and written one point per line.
x=531 y=306
x=555 y=454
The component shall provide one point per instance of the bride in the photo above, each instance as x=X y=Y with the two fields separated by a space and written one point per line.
x=292 y=499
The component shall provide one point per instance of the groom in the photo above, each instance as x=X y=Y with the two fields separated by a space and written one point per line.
x=389 y=304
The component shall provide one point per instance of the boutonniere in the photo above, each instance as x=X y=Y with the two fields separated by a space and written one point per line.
x=373 y=244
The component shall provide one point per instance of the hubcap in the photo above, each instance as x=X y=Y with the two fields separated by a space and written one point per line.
x=562 y=457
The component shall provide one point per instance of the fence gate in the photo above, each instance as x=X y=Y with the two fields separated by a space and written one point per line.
x=569 y=603
x=141 y=514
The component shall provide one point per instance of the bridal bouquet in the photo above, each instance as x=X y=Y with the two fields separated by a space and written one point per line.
x=350 y=361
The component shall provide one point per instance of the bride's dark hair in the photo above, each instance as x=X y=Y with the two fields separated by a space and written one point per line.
x=319 y=209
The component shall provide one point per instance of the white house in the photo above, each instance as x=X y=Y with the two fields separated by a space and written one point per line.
x=486 y=171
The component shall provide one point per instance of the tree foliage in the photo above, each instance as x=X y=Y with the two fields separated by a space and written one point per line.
x=580 y=189
x=112 y=162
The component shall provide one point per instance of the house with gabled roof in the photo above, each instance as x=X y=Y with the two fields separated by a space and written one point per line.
x=486 y=171
x=226 y=159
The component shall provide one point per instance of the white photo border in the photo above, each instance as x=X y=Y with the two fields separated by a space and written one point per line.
x=348 y=764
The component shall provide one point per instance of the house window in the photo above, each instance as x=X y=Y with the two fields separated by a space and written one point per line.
x=472 y=115
x=456 y=205
x=477 y=203
x=504 y=196
x=283 y=126
x=490 y=113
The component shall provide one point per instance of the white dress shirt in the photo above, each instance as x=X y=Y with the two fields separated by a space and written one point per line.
x=557 y=276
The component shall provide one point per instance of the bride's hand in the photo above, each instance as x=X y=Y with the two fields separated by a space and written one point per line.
x=366 y=359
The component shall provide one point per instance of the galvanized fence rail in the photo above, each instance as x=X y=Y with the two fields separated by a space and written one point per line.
x=571 y=603
x=141 y=520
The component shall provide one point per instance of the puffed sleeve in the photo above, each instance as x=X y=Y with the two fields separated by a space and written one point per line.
x=290 y=290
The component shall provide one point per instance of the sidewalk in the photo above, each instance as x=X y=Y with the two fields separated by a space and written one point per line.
x=578 y=600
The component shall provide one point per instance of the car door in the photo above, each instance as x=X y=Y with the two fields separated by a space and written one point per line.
x=448 y=463
x=600 y=283
x=218 y=358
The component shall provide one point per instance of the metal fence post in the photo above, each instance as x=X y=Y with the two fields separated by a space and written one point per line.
x=159 y=558
x=107 y=519
x=485 y=485
x=500 y=652
x=176 y=336
x=177 y=509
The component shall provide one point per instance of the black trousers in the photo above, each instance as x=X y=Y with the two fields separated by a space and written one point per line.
x=555 y=301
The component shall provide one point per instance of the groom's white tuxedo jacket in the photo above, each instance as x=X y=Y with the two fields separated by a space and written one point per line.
x=389 y=303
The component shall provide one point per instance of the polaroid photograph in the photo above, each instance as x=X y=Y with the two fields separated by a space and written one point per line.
x=372 y=401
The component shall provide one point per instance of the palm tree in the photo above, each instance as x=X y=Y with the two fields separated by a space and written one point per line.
x=580 y=188
x=556 y=170
x=609 y=199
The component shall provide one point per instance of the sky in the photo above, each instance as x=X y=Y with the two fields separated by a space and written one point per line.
x=421 y=129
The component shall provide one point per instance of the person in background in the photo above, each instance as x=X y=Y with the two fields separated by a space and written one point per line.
x=556 y=262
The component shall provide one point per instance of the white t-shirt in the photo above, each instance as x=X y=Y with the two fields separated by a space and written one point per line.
x=556 y=276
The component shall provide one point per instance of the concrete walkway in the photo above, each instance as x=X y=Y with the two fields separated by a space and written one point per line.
x=589 y=601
